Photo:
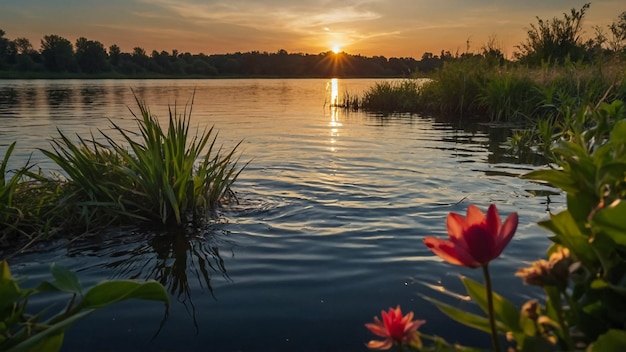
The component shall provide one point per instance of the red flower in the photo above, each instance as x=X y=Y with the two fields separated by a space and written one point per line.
x=474 y=240
x=394 y=328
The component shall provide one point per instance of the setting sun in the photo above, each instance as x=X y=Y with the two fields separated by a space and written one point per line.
x=336 y=49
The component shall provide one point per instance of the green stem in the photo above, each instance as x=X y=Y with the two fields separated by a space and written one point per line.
x=492 y=321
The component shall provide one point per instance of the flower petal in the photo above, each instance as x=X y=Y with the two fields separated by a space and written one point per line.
x=506 y=232
x=376 y=329
x=493 y=220
x=481 y=245
x=380 y=345
x=474 y=216
x=414 y=325
x=450 y=252
x=456 y=228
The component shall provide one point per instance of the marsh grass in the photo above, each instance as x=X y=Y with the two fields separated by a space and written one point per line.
x=385 y=97
x=9 y=214
x=474 y=89
x=25 y=198
x=158 y=174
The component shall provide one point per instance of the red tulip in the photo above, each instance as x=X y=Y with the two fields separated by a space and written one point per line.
x=475 y=240
x=395 y=328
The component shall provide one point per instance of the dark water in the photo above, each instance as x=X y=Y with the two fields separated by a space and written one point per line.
x=333 y=209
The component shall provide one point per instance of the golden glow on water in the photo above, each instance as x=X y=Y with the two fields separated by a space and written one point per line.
x=334 y=113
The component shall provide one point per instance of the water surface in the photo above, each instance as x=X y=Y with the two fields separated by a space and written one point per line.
x=328 y=231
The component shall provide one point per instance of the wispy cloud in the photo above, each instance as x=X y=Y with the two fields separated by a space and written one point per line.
x=268 y=16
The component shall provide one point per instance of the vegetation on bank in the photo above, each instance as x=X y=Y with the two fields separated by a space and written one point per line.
x=470 y=89
x=577 y=119
x=581 y=285
x=59 y=58
x=22 y=330
x=554 y=66
x=162 y=174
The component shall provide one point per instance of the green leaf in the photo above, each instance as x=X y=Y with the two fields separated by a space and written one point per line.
x=463 y=317
x=556 y=178
x=612 y=340
x=65 y=280
x=51 y=343
x=50 y=336
x=580 y=205
x=618 y=134
x=610 y=221
x=569 y=234
x=504 y=311
x=10 y=292
x=106 y=293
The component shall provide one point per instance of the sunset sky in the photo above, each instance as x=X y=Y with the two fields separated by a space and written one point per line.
x=400 y=28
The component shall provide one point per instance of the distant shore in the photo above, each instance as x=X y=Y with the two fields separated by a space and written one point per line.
x=115 y=75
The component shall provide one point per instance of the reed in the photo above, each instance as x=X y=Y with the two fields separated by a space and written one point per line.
x=476 y=89
x=26 y=198
x=9 y=214
x=158 y=174
x=387 y=96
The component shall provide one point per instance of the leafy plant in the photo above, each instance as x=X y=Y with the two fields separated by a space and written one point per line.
x=20 y=330
x=159 y=175
x=584 y=278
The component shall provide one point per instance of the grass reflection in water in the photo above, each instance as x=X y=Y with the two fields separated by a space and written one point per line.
x=174 y=257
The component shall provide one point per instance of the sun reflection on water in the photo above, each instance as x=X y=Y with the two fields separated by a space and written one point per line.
x=334 y=113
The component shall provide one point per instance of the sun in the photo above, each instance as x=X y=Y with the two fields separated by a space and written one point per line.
x=336 y=49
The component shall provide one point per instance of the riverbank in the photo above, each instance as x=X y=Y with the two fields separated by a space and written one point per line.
x=477 y=90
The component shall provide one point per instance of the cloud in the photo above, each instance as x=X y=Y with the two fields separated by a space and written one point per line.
x=269 y=16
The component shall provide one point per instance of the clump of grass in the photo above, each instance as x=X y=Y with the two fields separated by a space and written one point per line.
x=474 y=88
x=387 y=96
x=23 y=202
x=453 y=89
x=349 y=102
x=159 y=174
x=507 y=96
x=10 y=216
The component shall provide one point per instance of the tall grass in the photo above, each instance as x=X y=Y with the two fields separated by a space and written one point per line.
x=386 y=96
x=475 y=89
x=24 y=201
x=158 y=174
x=9 y=214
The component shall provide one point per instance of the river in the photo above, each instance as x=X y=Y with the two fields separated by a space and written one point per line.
x=333 y=207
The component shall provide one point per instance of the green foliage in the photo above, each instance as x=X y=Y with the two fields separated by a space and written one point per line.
x=20 y=330
x=554 y=40
x=507 y=96
x=24 y=198
x=612 y=340
x=584 y=280
x=454 y=88
x=9 y=215
x=392 y=96
x=162 y=175
x=590 y=156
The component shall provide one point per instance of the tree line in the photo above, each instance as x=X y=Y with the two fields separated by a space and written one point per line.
x=552 y=41
x=59 y=55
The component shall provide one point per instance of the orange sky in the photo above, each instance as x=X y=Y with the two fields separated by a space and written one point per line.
x=400 y=28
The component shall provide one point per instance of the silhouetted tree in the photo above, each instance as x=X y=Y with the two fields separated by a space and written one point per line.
x=90 y=55
x=4 y=49
x=492 y=51
x=554 y=40
x=57 y=53
x=617 y=41
x=140 y=58
x=114 y=55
